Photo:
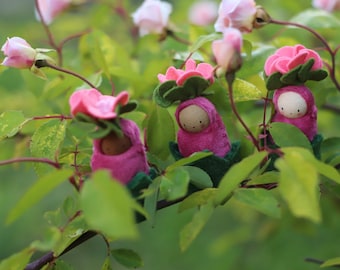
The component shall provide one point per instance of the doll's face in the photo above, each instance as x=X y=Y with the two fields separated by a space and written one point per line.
x=291 y=105
x=194 y=119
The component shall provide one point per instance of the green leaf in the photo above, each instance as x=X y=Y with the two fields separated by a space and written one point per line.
x=160 y=130
x=98 y=47
x=267 y=177
x=11 y=122
x=127 y=258
x=51 y=237
x=236 y=174
x=191 y=230
x=108 y=207
x=245 y=91
x=317 y=19
x=61 y=265
x=330 y=148
x=299 y=188
x=69 y=234
x=107 y=264
x=198 y=177
x=174 y=184
x=70 y=206
x=286 y=135
x=18 y=260
x=46 y=142
x=37 y=191
x=204 y=39
x=198 y=198
x=322 y=168
x=259 y=199
x=331 y=262
x=150 y=201
x=187 y=160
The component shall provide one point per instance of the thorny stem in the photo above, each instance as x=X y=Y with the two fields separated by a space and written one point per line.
x=49 y=34
x=44 y=63
x=62 y=43
x=31 y=159
x=264 y=124
x=51 y=40
x=230 y=78
x=323 y=41
x=172 y=34
x=61 y=117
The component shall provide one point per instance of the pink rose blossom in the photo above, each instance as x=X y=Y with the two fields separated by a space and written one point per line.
x=91 y=102
x=204 y=70
x=152 y=17
x=288 y=57
x=19 y=54
x=203 y=13
x=328 y=5
x=51 y=8
x=227 y=49
x=238 y=14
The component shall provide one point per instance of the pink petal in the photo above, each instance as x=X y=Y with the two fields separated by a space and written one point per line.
x=269 y=64
x=297 y=60
x=181 y=80
x=81 y=99
x=190 y=65
x=281 y=65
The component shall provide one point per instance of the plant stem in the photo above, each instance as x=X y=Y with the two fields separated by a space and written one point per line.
x=230 y=79
x=61 y=117
x=49 y=34
x=322 y=40
x=31 y=159
x=44 y=63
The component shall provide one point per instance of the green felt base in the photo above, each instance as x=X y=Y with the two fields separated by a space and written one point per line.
x=140 y=181
x=214 y=166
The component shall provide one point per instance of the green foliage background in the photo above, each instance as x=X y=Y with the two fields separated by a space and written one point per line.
x=236 y=237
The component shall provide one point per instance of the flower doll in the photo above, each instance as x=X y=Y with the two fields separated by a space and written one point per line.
x=286 y=71
x=119 y=148
x=200 y=126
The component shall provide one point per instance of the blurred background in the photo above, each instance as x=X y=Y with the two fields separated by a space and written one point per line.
x=236 y=237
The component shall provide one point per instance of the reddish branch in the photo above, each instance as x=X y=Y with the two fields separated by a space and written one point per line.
x=31 y=159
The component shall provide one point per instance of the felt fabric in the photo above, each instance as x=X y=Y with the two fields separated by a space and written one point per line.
x=214 y=138
x=125 y=166
x=307 y=123
x=214 y=166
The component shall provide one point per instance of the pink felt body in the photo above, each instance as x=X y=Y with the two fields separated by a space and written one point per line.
x=125 y=166
x=307 y=123
x=214 y=138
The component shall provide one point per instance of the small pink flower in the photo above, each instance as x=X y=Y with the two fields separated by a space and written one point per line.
x=226 y=50
x=204 y=70
x=152 y=17
x=288 y=57
x=238 y=14
x=91 y=102
x=328 y=5
x=51 y=8
x=203 y=13
x=19 y=54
